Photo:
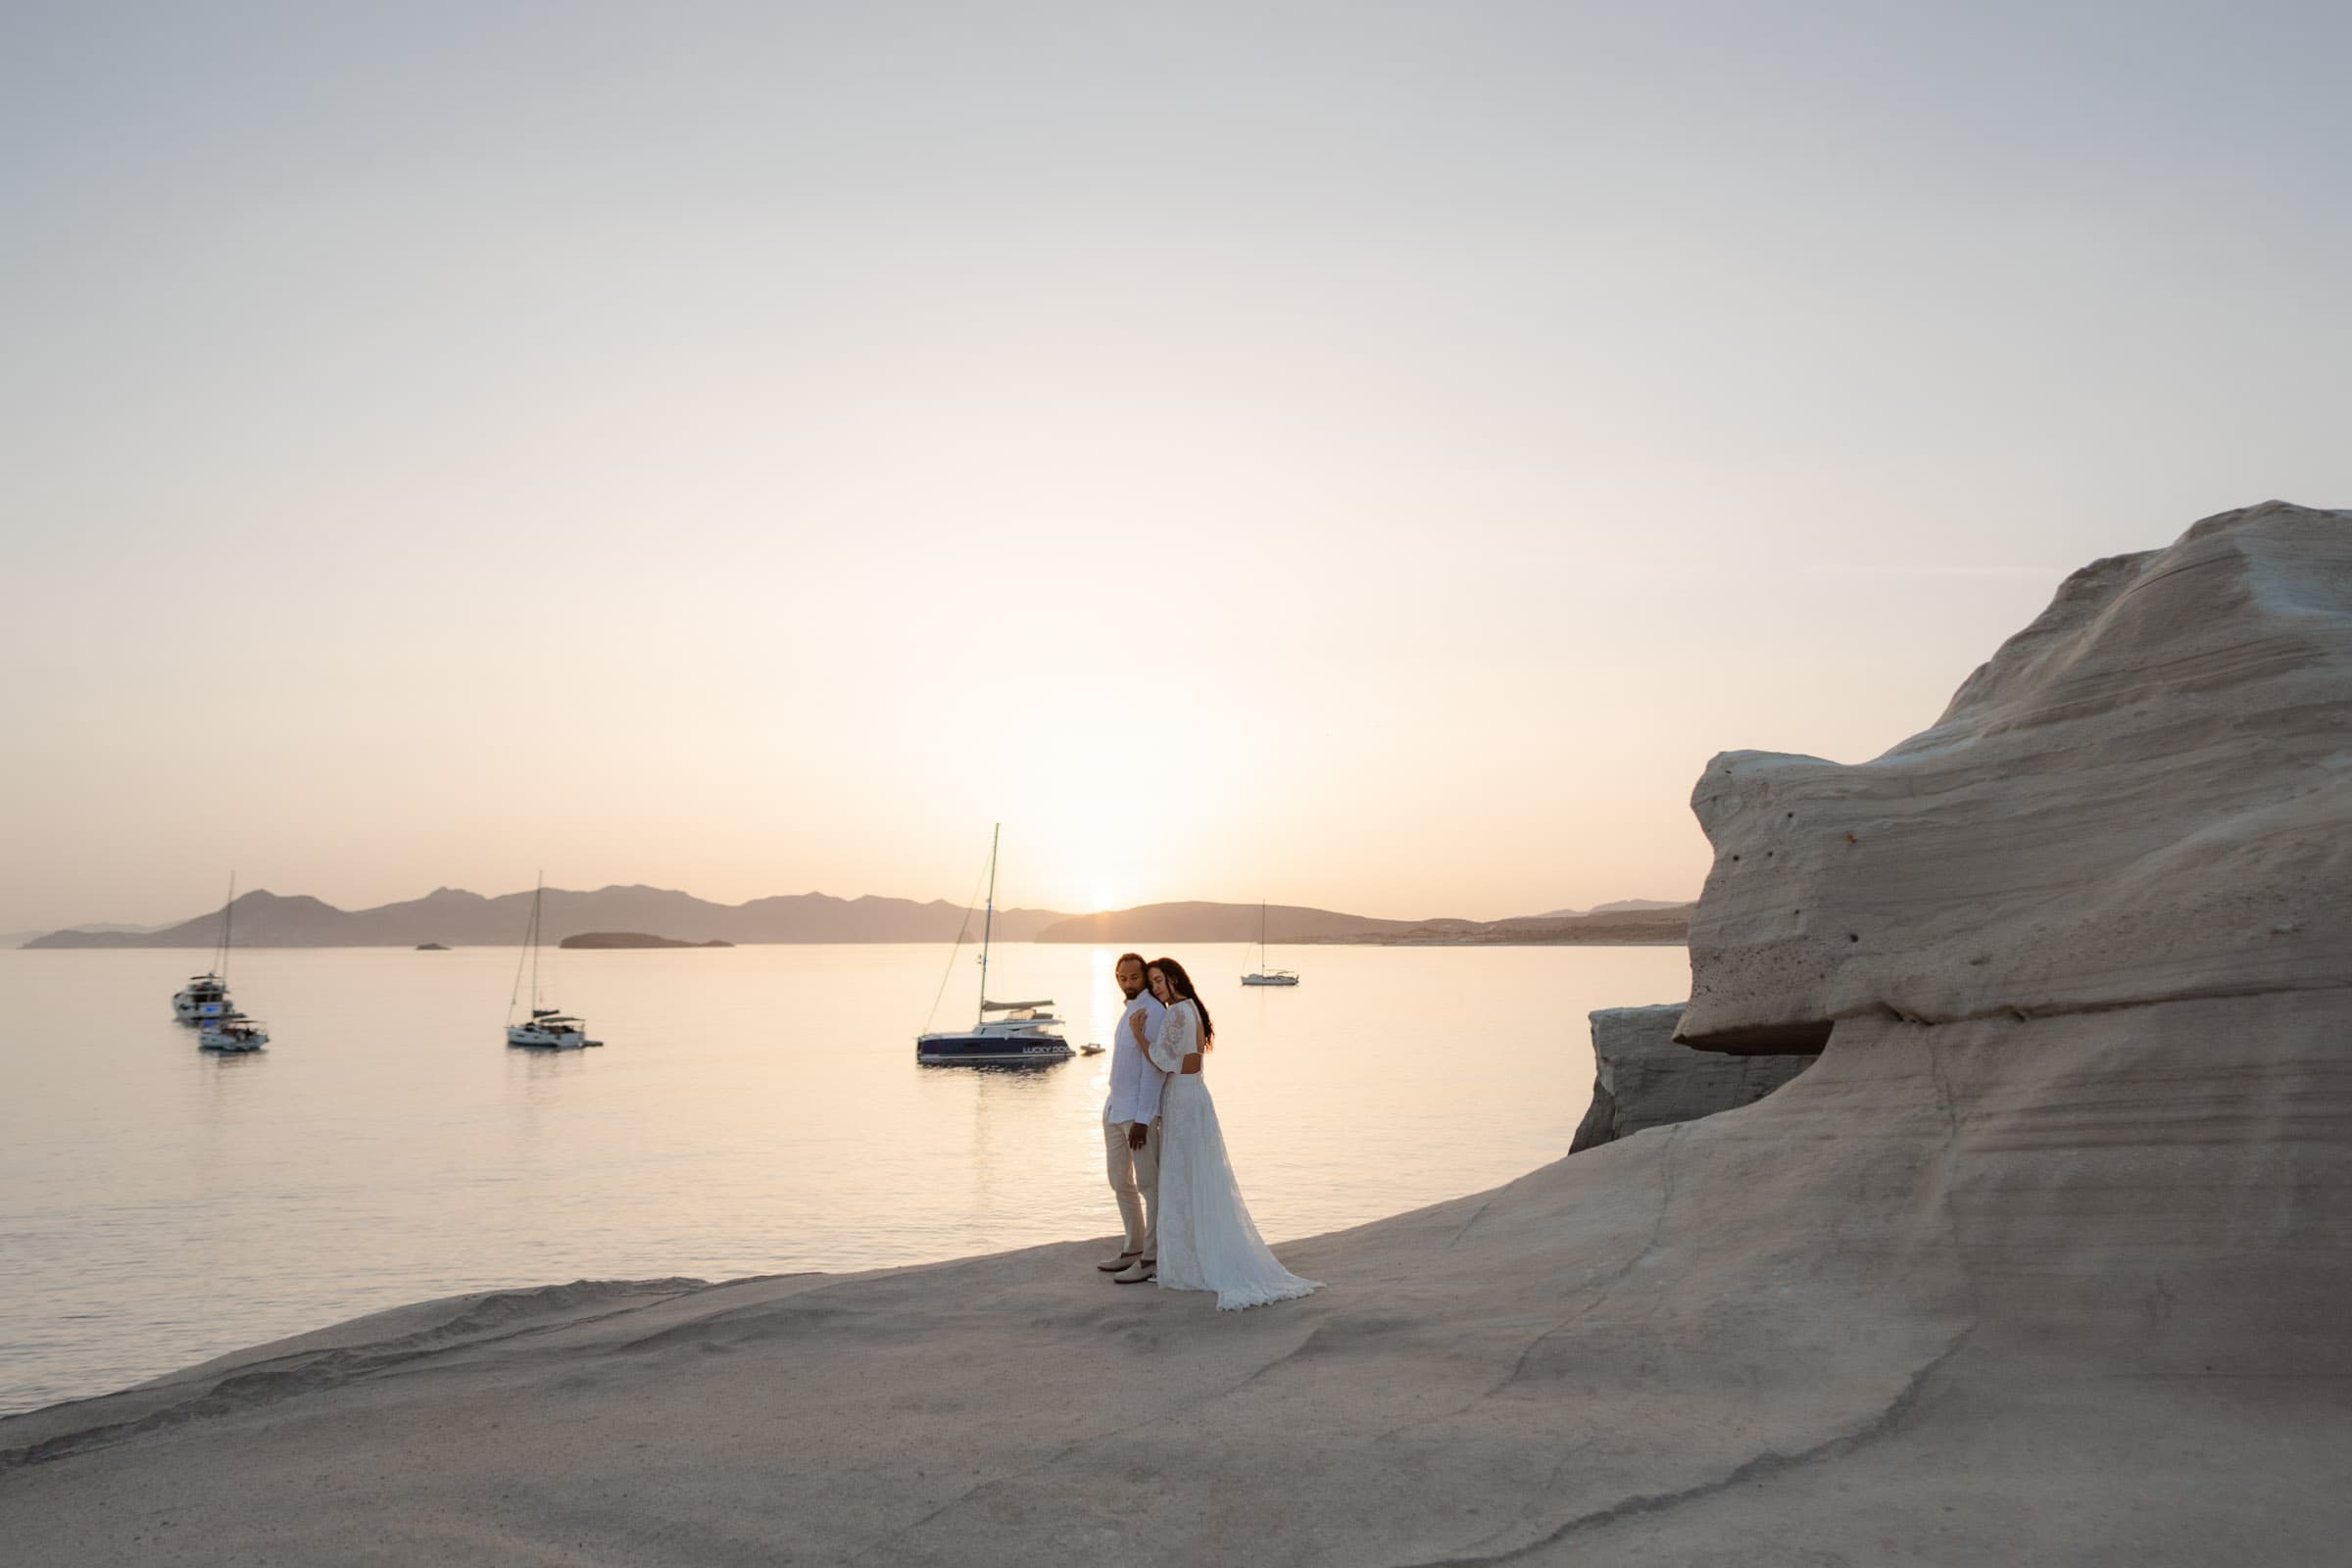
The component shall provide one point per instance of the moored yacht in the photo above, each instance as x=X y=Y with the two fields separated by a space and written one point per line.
x=1021 y=1032
x=548 y=1028
x=1024 y=1033
x=205 y=995
x=232 y=1032
x=1264 y=976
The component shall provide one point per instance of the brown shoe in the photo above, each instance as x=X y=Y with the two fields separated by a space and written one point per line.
x=1123 y=1260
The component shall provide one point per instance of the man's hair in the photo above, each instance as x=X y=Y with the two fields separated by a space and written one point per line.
x=1124 y=956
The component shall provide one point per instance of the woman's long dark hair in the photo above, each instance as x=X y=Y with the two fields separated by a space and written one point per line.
x=1180 y=986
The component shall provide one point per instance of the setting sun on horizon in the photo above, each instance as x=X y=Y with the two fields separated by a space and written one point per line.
x=1707 y=650
x=1380 y=463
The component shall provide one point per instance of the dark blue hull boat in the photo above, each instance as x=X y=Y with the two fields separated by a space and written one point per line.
x=1026 y=1049
x=1022 y=1034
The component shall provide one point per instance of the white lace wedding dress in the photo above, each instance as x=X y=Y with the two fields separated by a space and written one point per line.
x=1207 y=1240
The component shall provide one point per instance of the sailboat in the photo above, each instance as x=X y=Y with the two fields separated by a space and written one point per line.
x=205 y=1002
x=549 y=1028
x=206 y=994
x=1265 y=976
x=1020 y=1032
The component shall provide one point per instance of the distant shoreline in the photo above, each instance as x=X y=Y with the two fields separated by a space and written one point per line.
x=451 y=917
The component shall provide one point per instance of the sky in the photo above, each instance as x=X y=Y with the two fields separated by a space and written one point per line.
x=1359 y=454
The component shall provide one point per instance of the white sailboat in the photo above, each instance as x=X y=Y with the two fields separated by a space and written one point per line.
x=1265 y=976
x=206 y=994
x=1021 y=1032
x=547 y=1028
x=224 y=1028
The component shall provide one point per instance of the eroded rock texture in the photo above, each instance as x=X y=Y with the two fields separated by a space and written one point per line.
x=1643 y=1078
x=2141 y=798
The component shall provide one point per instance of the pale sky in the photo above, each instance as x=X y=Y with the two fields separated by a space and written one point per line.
x=1357 y=455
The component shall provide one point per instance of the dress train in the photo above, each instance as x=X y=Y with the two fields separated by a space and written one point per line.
x=1207 y=1240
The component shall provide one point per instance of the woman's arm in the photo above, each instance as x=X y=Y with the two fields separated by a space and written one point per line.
x=1175 y=1040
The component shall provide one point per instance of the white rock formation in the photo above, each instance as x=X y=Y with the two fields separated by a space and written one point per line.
x=1643 y=1078
x=2141 y=798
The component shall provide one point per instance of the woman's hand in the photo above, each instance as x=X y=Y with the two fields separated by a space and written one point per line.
x=1135 y=1021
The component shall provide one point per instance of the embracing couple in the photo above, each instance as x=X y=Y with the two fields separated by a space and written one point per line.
x=1187 y=1226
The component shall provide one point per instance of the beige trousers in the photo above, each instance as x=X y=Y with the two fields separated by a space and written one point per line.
x=1135 y=1178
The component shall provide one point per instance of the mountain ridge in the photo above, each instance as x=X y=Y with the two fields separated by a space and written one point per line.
x=457 y=917
x=460 y=917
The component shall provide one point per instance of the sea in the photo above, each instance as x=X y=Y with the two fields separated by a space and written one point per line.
x=752 y=1111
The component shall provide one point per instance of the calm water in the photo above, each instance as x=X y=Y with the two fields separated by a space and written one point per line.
x=757 y=1110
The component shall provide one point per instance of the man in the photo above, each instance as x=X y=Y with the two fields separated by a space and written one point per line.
x=1131 y=1128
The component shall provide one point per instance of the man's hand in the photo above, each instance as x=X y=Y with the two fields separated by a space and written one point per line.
x=1138 y=1134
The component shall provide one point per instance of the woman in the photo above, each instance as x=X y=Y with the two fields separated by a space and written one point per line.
x=1207 y=1240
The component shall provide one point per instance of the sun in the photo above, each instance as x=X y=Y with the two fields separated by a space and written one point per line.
x=1103 y=900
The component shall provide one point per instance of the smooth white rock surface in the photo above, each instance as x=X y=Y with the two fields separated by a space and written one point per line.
x=2145 y=796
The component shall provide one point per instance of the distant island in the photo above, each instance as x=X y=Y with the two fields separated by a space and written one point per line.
x=617 y=917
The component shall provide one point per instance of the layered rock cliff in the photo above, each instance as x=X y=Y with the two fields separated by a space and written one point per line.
x=2140 y=798
x=2080 y=957
x=1642 y=1077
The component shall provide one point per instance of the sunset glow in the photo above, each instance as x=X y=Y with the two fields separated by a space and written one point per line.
x=1380 y=466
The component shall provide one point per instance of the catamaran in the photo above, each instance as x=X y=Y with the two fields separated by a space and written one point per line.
x=1265 y=976
x=1020 y=1032
x=206 y=994
x=548 y=1028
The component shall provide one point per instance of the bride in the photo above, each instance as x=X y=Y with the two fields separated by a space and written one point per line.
x=1207 y=1240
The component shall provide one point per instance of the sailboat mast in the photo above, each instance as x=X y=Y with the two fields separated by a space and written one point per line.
x=988 y=921
x=228 y=913
x=539 y=888
x=1261 y=933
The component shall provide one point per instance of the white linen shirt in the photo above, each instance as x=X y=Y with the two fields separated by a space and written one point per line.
x=1134 y=1082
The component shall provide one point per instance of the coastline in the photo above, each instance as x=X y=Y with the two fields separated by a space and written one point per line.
x=745 y=1130
x=2039 y=1257
x=1597 y=1357
x=1376 y=940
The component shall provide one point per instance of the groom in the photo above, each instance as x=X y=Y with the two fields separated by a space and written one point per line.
x=1131 y=1128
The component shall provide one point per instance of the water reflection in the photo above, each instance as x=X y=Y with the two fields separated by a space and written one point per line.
x=390 y=1146
x=1103 y=1002
x=541 y=1070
